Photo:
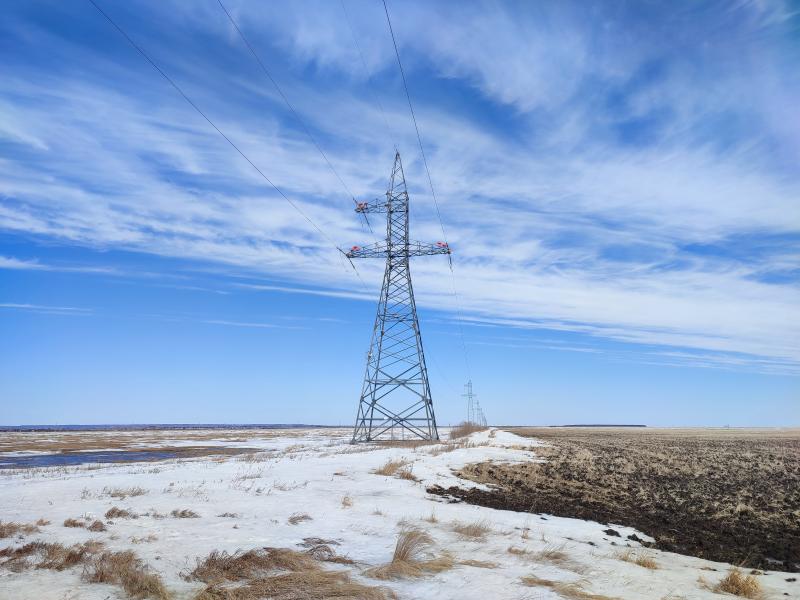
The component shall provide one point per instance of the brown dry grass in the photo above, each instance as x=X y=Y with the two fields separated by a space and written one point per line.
x=74 y=523
x=411 y=558
x=278 y=573
x=299 y=518
x=151 y=537
x=347 y=501
x=637 y=558
x=120 y=513
x=476 y=530
x=302 y=585
x=97 y=526
x=9 y=528
x=128 y=571
x=184 y=513
x=572 y=591
x=123 y=569
x=431 y=518
x=390 y=467
x=464 y=429
x=738 y=584
x=47 y=556
x=481 y=564
x=122 y=493
x=408 y=474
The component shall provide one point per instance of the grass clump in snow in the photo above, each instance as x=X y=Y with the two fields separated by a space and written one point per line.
x=464 y=429
x=481 y=564
x=390 y=467
x=411 y=558
x=123 y=569
x=572 y=591
x=96 y=526
x=347 y=501
x=476 y=530
x=299 y=518
x=9 y=529
x=278 y=573
x=120 y=513
x=184 y=513
x=128 y=571
x=122 y=493
x=73 y=523
x=643 y=560
x=738 y=584
x=408 y=474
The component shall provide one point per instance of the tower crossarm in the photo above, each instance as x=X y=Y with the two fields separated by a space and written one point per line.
x=379 y=205
x=382 y=250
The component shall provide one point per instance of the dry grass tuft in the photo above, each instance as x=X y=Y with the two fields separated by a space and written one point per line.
x=476 y=530
x=481 y=564
x=299 y=577
x=120 y=513
x=347 y=501
x=408 y=474
x=390 y=467
x=323 y=552
x=229 y=515
x=122 y=493
x=126 y=570
x=411 y=558
x=572 y=591
x=432 y=518
x=299 y=518
x=48 y=556
x=151 y=537
x=184 y=513
x=303 y=585
x=643 y=560
x=74 y=523
x=42 y=522
x=464 y=429
x=10 y=528
x=96 y=526
x=739 y=584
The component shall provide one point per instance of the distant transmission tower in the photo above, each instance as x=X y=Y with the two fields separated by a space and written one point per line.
x=470 y=402
x=395 y=391
x=474 y=410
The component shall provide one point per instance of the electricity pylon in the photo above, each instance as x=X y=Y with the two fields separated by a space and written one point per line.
x=471 y=415
x=395 y=392
x=474 y=410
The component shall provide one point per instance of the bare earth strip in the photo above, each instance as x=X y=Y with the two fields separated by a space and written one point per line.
x=730 y=495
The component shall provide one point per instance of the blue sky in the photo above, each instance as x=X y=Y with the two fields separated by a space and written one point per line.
x=619 y=183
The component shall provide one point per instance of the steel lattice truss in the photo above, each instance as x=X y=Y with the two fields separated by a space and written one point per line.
x=395 y=393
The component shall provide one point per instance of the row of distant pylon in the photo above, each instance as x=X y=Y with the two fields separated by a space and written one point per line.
x=474 y=410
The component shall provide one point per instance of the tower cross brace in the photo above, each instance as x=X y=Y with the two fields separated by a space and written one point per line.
x=395 y=392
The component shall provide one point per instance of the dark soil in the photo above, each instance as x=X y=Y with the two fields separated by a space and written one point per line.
x=728 y=495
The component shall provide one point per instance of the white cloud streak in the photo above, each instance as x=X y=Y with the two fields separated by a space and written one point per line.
x=558 y=224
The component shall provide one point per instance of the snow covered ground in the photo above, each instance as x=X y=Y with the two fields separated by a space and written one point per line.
x=317 y=472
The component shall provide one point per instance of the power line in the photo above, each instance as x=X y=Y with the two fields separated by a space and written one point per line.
x=285 y=99
x=414 y=118
x=218 y=130
x=433 y=192
x=366 y=70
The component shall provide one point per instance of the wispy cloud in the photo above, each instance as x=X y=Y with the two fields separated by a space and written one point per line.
x=623 y=172
x=40 y=308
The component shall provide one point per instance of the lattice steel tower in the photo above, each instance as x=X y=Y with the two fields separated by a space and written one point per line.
x=395 y=391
